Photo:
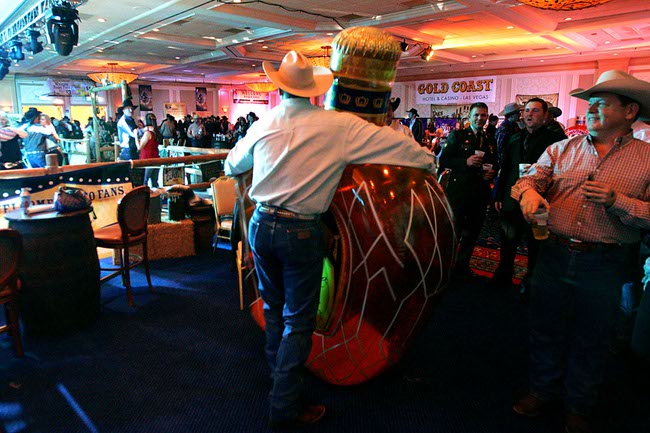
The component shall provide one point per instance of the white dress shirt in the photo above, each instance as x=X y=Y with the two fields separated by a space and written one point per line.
x=298 y=152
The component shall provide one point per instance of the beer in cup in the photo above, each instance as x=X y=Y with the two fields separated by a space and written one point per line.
x=487 y=167
x=540 y=224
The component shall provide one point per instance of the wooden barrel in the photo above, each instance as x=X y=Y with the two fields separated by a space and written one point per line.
x=60 y=271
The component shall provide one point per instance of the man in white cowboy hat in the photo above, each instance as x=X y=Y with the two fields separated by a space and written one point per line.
x=596 y=188
x=393 y=123
x=298 y=152
x=127 y=131
x=508 y=127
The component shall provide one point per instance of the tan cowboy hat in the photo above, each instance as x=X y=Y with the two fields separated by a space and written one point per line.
x=510 y=108
x=620 y=83
x=297 y=76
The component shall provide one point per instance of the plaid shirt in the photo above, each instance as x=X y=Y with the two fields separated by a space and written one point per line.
x=565 y=166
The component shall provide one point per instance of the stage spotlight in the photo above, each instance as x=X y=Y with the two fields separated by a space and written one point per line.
x=427 y=53
x=34 y=46
x=16 y=50
x=4 y=64
x=403 y=45
x=62 y=28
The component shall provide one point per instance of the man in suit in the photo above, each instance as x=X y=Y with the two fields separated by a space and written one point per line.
x=468 y=190
x=525 y=147
x=415 y=125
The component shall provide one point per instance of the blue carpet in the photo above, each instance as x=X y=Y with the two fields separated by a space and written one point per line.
x=187 y=360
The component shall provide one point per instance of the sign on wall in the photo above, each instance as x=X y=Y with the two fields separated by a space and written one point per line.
x=201 y=94
x=240 y=96
x=176 y=109
x=456 y=91
x=146 y=99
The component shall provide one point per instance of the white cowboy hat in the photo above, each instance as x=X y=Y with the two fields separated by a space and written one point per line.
x=297 y=76
x=620 y=83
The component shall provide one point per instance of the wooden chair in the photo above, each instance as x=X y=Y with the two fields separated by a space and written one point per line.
x=443 y=179
x=224 y=197
x=11 y=251
x=129 y=231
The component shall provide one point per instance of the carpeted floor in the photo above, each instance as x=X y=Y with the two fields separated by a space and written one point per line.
x=187 y=360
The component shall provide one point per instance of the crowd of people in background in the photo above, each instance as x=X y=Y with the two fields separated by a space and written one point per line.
x=26 y=144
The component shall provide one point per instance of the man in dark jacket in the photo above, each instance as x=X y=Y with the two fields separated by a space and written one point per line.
x=468 y=190
x=415 y=125
x=523 y=149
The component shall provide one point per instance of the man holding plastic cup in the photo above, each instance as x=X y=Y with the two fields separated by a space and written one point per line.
x=468 y=189
x=523 y=149
x=596 y=189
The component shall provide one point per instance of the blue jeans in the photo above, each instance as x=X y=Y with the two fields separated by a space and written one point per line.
x=574 y=300
x=289 y=263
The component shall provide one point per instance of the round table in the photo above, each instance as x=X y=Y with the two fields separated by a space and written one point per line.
x=60 y=271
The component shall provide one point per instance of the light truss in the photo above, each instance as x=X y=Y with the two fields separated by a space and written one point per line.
x=35 y=14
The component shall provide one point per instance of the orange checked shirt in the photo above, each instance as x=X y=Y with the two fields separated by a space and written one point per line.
x=565 y=166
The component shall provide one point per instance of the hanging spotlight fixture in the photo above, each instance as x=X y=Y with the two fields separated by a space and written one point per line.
x=427 y=53
x=62 y=27
x=16 y=50
x=4 y=64
x=404 y=45
x=34 y=46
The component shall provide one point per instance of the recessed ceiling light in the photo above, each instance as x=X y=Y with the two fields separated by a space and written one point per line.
x=30 y=57
x=264 y=46
x=482 y=66
x=510 y=27
x=155 y=30
x=568 y=19
x=608 y=42
x=557 y=48
x=100 y=50
x=133 y=69
x=235 y=41
x=330 y=34
x=474 y=56
x=616 y=54
x=101 y=20
x=542 y=61
x=249 y=43
x=177 y=58
x=219 y=40
x=246 y=39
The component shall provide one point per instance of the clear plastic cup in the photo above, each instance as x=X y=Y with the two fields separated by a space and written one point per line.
x=487 y=167
x=479 y=153
x=540 y=224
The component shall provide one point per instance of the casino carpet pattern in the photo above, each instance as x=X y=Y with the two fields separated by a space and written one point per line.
x=187 y=360
x=485 y=258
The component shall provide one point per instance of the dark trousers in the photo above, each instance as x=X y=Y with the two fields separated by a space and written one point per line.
x=513 y=227
x=468 y=219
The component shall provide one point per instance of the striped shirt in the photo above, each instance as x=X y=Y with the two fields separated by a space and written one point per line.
x=565 y=166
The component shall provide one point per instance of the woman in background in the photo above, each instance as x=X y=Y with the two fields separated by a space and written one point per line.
x=53 y=138
x=11 y=157
x=148 y=148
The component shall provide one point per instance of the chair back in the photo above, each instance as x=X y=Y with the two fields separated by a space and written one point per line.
x=443 y=179
x=11 y=251
x=133 y=212
x=224 y=194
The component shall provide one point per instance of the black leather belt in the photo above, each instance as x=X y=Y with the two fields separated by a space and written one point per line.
x=576 y=245
x=285 y=213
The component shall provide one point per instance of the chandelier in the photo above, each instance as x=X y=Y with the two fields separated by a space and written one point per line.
x=563 y=5
x=322 y=60
x=112 y=74
x=262 y=87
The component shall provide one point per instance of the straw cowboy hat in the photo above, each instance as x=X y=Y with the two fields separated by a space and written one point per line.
x=620 y=83
x=297 y=76
x=510 y=108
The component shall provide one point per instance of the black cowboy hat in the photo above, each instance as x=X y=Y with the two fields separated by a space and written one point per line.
x=414 y=111
x=394 y=103
x=31 y=114
x=128 y=103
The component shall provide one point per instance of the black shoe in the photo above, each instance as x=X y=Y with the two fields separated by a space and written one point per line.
x=309 y=415
x=500 y=281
